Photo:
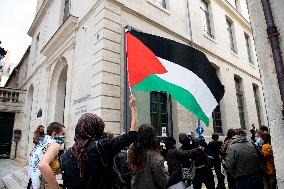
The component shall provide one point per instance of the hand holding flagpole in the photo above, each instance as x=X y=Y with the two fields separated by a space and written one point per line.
x=133 y=107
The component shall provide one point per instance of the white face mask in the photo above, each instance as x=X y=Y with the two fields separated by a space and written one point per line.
x=258 y=139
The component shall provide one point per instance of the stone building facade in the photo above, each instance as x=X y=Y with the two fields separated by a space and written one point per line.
x=76 y=64
x=268 y=73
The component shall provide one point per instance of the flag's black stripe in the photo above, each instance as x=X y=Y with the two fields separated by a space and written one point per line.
x=185 y=56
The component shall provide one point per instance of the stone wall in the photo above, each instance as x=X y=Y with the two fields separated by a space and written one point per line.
x=269 y=78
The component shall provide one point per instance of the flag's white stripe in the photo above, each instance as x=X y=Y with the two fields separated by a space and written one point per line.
x=188 y=80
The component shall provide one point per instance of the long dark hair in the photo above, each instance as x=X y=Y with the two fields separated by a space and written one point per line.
x=145 y=141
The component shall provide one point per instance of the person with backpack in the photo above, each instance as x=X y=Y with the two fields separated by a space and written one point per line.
x=188 y=142
x=145 y=161
x=214 y=148
x=88 y=164
x=202 y=171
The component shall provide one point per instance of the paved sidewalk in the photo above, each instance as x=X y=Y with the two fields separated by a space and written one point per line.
x=12 y=175
x=8 y=166
x=15 y=176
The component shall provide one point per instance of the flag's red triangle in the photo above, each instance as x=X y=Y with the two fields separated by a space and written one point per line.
x=142 y=62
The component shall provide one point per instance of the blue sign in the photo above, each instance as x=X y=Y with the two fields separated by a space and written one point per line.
x=199 y=130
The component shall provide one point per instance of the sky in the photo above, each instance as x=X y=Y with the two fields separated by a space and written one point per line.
x=16 y=19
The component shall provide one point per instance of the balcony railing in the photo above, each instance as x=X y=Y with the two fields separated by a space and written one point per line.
x=11 y=100
x=9 y=95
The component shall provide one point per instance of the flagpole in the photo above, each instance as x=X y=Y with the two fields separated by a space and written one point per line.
x=126 y=29
x=127 y=88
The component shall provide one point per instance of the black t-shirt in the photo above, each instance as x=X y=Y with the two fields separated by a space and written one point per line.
x=98 y=172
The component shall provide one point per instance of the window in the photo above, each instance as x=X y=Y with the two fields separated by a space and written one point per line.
x=248 y=48
x=231 y=36
x=205 y=18
x=240 y=102
x=67 y=6
x=257 y=103
x=217 y=121
x=159 y=111
x=37 y=45
x=162 y=3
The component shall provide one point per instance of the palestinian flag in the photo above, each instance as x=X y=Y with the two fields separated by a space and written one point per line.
x=159 y=64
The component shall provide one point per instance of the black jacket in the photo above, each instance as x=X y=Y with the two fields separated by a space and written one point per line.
x=214 y=148
x=174 y=158
x=98 y=173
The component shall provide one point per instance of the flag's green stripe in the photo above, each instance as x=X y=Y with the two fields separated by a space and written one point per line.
x=184 y=97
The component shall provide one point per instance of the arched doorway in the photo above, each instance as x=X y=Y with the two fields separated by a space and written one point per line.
x=60 y=96
x=57 y=92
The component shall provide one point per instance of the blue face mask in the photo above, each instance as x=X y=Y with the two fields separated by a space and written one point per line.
x=59 y=139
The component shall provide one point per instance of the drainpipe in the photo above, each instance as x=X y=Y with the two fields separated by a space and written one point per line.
x=273 y=34
x=190 y=36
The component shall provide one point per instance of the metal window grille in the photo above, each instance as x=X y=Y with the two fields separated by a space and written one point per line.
x=159 y=111
x=240 y=102
x=217 y=121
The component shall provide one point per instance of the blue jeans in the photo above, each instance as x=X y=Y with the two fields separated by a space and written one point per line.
x=253 y=181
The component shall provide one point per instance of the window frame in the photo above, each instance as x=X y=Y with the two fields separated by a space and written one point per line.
x=249 y=49
x=66 y=9
x=257 y=103
x=206 y=19
x=231 y=36
x=36 y=47
x=162 y=4
x=160 y=112
x=217 y=118
x=240 y=102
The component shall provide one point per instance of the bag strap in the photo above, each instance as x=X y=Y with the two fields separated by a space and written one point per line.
x=259 y=153
x=105 y=163
x=257 y=149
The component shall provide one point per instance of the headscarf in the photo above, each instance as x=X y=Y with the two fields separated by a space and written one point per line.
x=89 y=127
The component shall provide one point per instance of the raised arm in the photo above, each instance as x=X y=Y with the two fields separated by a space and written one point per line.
x=133 y=107
x=186 y=153
x=118 y=143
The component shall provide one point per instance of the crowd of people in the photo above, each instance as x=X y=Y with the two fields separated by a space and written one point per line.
x=138 y=160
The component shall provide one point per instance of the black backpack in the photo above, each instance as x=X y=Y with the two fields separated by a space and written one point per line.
x=122 y=175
